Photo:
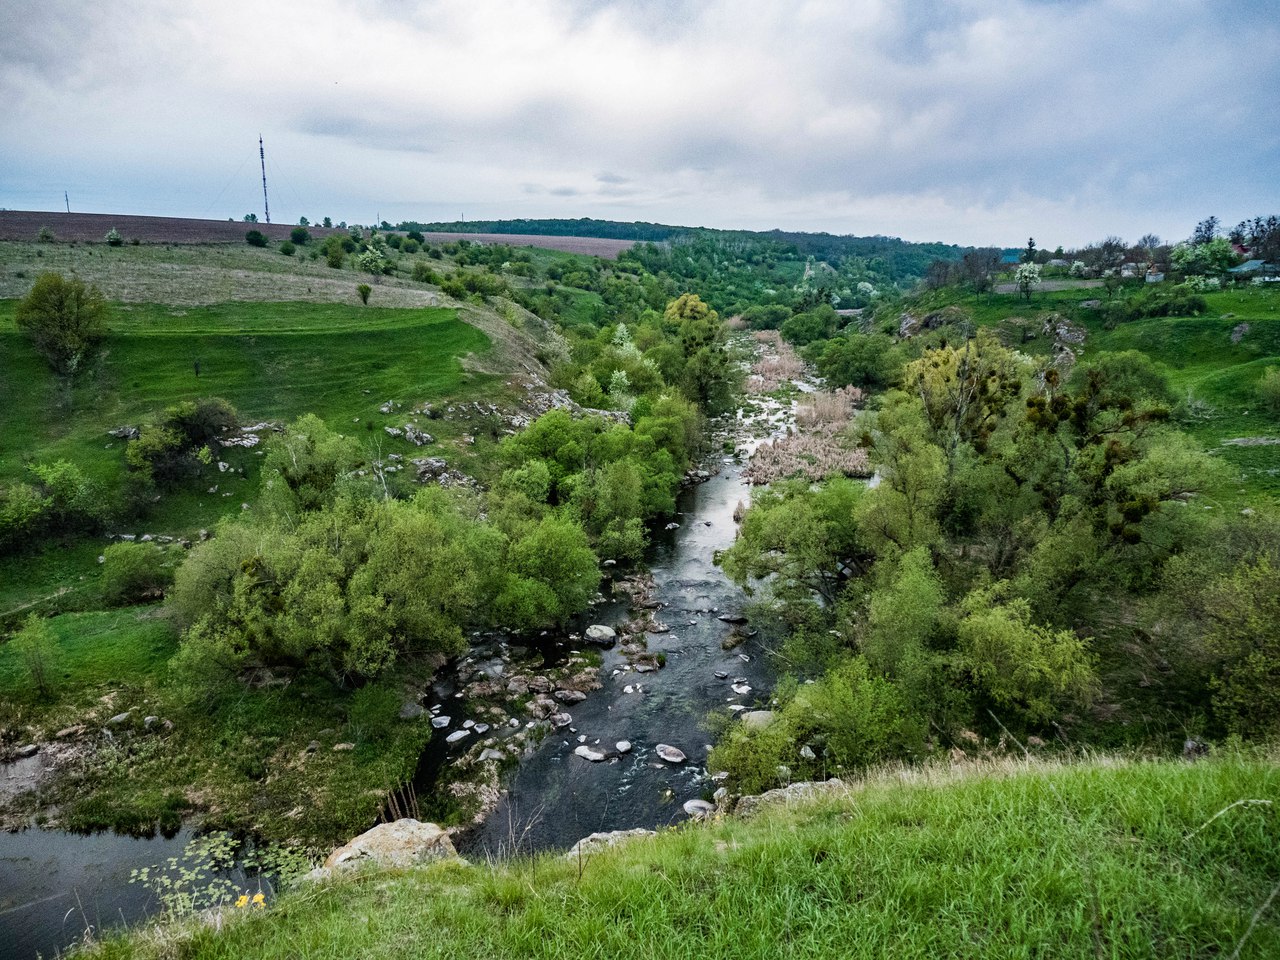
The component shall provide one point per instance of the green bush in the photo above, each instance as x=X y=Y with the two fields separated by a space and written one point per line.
x=113 y=238
x=287 y=248
x=38 y=649
x=848 y=720
x=256 y=238
x=133 y=572
x=1269 y=390
x=300 y=235
x=410 y=246
x=422 y=273
x=364 y=290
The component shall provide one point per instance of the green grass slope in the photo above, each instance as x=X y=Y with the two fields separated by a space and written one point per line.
x=1007 y=859
x=274 y=360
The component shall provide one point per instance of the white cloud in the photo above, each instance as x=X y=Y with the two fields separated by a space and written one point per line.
x=973 y=120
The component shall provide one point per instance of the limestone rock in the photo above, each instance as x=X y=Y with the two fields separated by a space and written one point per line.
x=601 y=635
x=587 y=753
x=601 y=841
x=749 y=806
x=398 y=845
x=699 y=809
x=757 y=719
x=670 y=754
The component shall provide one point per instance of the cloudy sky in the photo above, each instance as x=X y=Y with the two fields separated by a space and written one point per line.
x=969 y=121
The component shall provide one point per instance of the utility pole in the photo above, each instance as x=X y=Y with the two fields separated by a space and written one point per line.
x=262 y=157
x=67 y=197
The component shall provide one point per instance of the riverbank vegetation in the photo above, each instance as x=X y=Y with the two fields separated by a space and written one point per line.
x=1069 y=537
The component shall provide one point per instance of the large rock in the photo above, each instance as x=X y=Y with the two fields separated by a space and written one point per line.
x=588 y=753
x=601 y=841
x=699 y=809
x=757 y=719
x=747 y=807
x=670 y=754
x=398 y=845
x=601 y=635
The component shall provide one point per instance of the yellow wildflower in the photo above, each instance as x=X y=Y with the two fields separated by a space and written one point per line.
x=243 y=901
x=259 y=901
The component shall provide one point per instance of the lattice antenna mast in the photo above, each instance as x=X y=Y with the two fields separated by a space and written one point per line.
x=262 y=158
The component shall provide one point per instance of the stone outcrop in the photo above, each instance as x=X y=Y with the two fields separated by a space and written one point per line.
x=746 y=807
x=397 y=845
x=602 y=841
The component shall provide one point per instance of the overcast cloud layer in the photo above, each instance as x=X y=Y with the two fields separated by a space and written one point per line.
x=970 y=121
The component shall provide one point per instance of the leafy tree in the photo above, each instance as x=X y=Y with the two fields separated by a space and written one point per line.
x=708 y=376
x=903 y=615
x=256 y=238
x=847 y=720
x=63 y=319
x=1244 y=608
x=133 y=572
x=307 y=467
x=1212 y=257
x=1020 y=664
x=796 y=540
x=300 y=235
x=346 y=591
x=965 y=390
x=816 y=324
x=861 y=360
x=552 y=575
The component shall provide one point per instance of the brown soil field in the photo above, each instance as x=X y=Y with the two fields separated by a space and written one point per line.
x=93 y=227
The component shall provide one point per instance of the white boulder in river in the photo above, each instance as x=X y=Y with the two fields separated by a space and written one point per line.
x=699 y=809
x=599 y=633
x=670 y=753
x=587 y=753
x=623 y=746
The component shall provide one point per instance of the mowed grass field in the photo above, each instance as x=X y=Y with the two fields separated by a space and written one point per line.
x=1214 y=363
